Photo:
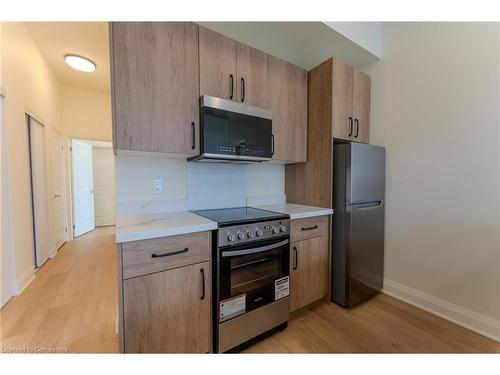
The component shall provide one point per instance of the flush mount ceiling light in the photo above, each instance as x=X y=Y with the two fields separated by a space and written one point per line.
x=79 y=63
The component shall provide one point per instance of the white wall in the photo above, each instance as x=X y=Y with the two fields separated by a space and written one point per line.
x=85 y=114
x=30 y=87
x=435 y=107
x=193 y=185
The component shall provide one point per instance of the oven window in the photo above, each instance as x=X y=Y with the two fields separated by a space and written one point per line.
x=253 y=275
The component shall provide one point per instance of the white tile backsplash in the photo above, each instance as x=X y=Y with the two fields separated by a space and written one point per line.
x=215 y=186
x=194 y=186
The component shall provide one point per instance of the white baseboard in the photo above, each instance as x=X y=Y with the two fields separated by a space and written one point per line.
x=482 y=324
x=24 y=280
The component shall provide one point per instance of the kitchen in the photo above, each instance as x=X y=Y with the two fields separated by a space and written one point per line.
x=257 y=200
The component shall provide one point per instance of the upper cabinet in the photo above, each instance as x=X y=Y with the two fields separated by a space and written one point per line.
x=159 y=70
x=361 y=91
x=217 y=65
x=251 y=69
x=155 y=86
x=287 y=100
x=232 y=70
x=351 y=103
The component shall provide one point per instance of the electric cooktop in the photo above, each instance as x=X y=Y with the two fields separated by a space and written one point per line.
x=239 y=215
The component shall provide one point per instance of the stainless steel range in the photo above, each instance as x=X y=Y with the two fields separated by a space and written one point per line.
x=251 y=257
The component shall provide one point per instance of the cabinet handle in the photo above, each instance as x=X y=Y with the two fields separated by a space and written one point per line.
x=309 y=228
x=193 y=136
x=357 y=128
x=57 y=196
x=296 y=258
x=272 y=144
x=202 y=271
x=242 y=89
x=231 y=86
x=350 y=126
x=159 y=255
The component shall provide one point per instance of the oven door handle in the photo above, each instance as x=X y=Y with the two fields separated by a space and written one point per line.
x=254 y=250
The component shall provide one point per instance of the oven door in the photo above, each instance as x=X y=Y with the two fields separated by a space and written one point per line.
x=235 y=131
x=252 y=275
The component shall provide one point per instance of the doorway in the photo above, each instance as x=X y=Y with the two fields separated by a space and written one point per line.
x=93 y=171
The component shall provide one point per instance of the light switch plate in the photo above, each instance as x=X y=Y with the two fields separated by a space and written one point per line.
x=157 y=186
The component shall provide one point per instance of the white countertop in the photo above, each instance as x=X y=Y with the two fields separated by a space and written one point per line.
x=297 y=211
x=141 y=227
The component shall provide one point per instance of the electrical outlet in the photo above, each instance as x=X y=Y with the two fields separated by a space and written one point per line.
x=157 y=186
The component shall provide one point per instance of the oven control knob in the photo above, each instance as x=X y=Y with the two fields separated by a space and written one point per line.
x=241 y=235
x=230 y=237
x=276 y=230
x=283 y=228
x=259 y=233
x=250 y=234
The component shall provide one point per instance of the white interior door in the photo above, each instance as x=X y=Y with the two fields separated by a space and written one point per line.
x=104 y=185
x=39 y=190
x=83 y=188
x=59 y=187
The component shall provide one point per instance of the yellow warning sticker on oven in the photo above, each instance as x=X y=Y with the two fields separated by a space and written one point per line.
x=231 y=307
x=281 y=288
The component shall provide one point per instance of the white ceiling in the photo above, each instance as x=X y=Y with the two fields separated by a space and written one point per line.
x=88 y=39
x=305 y=44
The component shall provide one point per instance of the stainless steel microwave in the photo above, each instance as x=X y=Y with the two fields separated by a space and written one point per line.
x=232 y=132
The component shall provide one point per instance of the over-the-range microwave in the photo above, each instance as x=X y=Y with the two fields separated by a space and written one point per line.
x=232 y=132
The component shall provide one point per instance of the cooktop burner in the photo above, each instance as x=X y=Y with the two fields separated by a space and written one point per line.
x=239 y=215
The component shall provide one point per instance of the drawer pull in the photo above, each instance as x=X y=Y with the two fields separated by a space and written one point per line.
x=310 y=228
x=202 y=271
x=159 y=255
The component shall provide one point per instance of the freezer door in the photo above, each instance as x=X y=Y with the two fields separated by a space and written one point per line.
x=365 y=173
x=365 y=251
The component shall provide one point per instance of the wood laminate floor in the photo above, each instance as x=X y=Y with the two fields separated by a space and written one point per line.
x=71 y=306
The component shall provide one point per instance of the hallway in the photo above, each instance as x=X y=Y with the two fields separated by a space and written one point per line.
x=71 y=304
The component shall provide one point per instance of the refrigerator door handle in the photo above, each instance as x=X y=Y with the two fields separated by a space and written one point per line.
x=361 y=206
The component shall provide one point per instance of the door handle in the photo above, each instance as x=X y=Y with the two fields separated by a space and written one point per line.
x=254 y=250
x=193 y=136
x=159 y=255
x=242 y=89
x=309 y=228
x=231 y=86
x=350 y=127
x=202 y=272
x=357 y=128
x=296 y=255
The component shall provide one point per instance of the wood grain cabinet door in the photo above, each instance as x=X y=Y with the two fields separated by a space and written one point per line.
x=251 y=82
x=287 y=100
x=155 y=85
x=308 y=271
x=342 y=116
x=217 y=65
x=361 y=106
x=169 y=311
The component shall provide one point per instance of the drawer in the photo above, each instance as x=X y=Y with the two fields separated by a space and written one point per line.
x=302 y=229
x=159 y=254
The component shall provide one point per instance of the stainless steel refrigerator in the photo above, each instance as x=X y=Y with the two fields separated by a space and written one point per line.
x=358 y=222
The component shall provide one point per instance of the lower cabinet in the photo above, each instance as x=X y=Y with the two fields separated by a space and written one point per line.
x=169 y=311
x=164 y=291
x=309 y=267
